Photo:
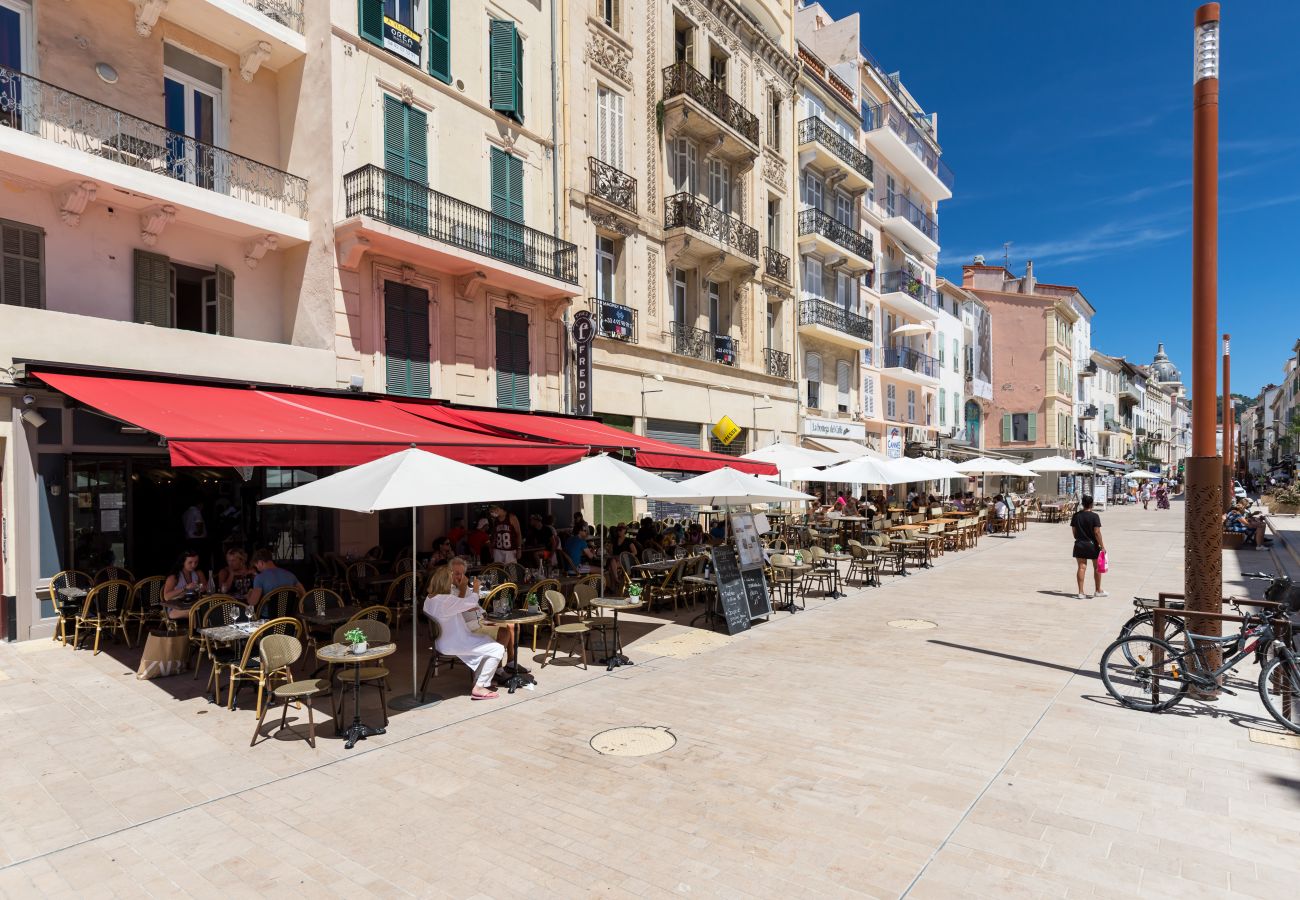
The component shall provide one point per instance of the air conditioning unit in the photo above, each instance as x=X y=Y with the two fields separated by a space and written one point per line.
x=917 y=435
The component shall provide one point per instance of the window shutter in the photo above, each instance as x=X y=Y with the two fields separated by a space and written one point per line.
x=941 y=349
x=943 y=407
x=813 y=366
x=440 y=39
x=153 y=297
x=417 y=146
x=616 y=130
x=1006 y=428
x=512 y=359
x=504 y=53
x=868 y=396
x=616 y=14
x=22 y=279
x=370 y=20
x=1033 y=426
x=519 y=77
x=394 y=135
x=406 y=339
x=225 y=301
x=842 y=383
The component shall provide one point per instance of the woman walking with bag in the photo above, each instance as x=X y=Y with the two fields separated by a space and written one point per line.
x=1088 y=545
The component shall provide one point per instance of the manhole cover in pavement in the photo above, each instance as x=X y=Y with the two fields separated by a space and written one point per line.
x=634 y=740
x=912 y=624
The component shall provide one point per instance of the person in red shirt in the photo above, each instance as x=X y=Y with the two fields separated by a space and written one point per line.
x=477 y=539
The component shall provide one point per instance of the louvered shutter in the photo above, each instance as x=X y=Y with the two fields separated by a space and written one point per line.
x=507 y=182
x=842 y=372
x=153 y=299
x=370 y=20
x=1033 y=426
x=1006 y=428
x=616 y=130
x=943 y=407
x=512 y=359
x=440 y=39
x=503 y=60
x=812 y=367
x=406 y=339
x=616 y=14
x=225 y=301
x=868 y=396
x=417 y=170
x=22 y=277
x=519 y=76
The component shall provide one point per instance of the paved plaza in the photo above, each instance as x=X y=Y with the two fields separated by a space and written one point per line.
x=821 y=754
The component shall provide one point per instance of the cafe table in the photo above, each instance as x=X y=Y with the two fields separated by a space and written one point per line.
x=663 y=565
x=616 y=604
x=786 y=581
x=342 y=655
x=331 y=617
x=235 y=633
x=836 y=583
x=520 y=617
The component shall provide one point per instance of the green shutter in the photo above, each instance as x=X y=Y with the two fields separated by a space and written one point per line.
x=512 y=363
x=519 y=77
x=440 y=39
x=406 y=157
x=505 y=52
x=225 y=301
x=406 y=339
x=417 y=146
x=153 y=297
x=1033 y=427
x=507 y=183
x=394 y=135
x=370 y=20
x=1006 y=428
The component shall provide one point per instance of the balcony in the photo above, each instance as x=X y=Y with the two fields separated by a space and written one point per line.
x=391 y=214
x=1088 y=412
x=612 y=185
x=701 y=235
x=1129 y=393
x=695 y=107
x=80 y=148
x=614 y=320
x=1088 y=369
x=823 y=147
x=910 y=365
x=1109 y=425
x=904 y=292
x=833 y=239
x=700 y=344
x=776 y=265
x=263 y=32
x=776 y=363
x=825 y=320
x=893 y=134
x=906 y=222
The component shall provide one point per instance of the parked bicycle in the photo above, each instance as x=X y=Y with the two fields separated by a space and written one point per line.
x=1149 y=674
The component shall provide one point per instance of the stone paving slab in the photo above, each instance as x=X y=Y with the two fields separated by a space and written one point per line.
x=823 y=752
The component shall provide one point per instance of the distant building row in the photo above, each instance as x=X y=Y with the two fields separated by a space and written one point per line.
x=1269 y=428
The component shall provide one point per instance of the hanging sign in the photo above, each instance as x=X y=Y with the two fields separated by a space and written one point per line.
x=584 y=331
x=894 y=442
x=402 y=41
x=726 y=430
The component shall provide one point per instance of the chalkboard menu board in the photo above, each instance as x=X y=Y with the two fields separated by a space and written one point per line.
x=731 y=590
x=756 y=593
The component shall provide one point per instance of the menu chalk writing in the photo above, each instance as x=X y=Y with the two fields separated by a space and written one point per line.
x=731 y=590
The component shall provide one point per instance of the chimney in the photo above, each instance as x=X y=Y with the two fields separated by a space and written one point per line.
x=1027 y=286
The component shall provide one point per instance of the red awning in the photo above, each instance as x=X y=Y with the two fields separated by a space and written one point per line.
x=213 y=425
x=650 y=453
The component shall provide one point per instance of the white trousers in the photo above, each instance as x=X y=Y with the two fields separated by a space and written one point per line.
x=488 y=664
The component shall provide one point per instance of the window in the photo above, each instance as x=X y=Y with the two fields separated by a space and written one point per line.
x=715 y=308
x=406 y=339
x=506 y=62
x=406 y=164
x=609 y=127
x=1019 y=427
x=440 y=39
x=15 y=34
x=889 y=194
x=844 y=291
x=718 y=68
x=812 y=277
x=774 y=223
x=684 y=43
x=956 y=352
x=771 y=329
x=610 y=13
x=813 y=373
x=868 y=396
x=192 y=92
x=943 y=407
x=679 y=296
x=685 y=165
x=512 y=359
x=891 y=402
x=606 y=262
x=940 y=342
x=844 y=208
x=812 y=190
x=956 y=409
x=400 y=11
x=843 y=372
x=911 y=405
x=720 y=184
x=22 y=250
x=774 y=120
x=171 y=295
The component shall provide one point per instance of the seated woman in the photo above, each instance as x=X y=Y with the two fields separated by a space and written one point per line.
x=1238 y=522
x=183 y=585
x=236 y=579
x=694 y=535
x=443 y=551
x=453 y=602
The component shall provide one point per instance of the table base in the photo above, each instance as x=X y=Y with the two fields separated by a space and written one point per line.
x=516 y=676
x=612 y=662
x=359 y=731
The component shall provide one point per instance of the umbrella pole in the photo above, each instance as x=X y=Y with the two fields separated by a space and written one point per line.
x=414 y=700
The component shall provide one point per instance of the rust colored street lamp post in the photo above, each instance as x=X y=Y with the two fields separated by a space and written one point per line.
x=1229 y=427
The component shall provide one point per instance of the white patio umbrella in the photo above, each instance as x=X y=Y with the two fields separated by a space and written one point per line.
x=1058 y=464
x=983 y=465
x=788 y=457
x=903 y=330
x=1141 y=475
x=863 y=470
x=413 y=478
x=726 y=486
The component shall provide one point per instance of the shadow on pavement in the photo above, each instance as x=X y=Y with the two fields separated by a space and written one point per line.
x=1024 y=659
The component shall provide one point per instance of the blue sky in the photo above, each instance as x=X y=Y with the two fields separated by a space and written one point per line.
x=1070 y=136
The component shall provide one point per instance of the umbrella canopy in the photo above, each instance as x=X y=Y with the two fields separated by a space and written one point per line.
x=938 y=469
x=982 y=465
x=726 y=487
x=1141 y=474
x=606 y=476
x=408 y=478
x=788 y=457
x=1057 y=464
x=866 y=470
x=911 y=329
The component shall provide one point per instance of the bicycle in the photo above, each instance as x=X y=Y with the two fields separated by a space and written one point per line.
x=1136 y=668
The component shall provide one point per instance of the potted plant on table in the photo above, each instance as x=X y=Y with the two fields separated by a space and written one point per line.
x=356 y=640
x=634 y=591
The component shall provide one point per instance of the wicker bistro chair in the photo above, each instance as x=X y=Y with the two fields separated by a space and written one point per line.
x=579 y=631
x=318 y=602
x=492 y=576
x=669 y=588
x=584 y=592
x=886 y=553
x=374 y=675
x=68 y=608
x=508 y=590
x=358 y=576
x=278 y=652
x=104 y=608
x=146 y=604
x=863 y=565
x=218 y=610
x=376 y=613
x=249 y=666
x=785 y=579
x=114 y=573
x=822 y=572
x=398 y=598
x=538 y=589
x=933 y=537
x=431 y=669
x=194 y=622
x=279 y=603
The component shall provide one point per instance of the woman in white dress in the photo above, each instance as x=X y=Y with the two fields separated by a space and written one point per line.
x=454 y=604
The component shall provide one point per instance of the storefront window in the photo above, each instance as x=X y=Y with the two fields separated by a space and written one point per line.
x=289 y=531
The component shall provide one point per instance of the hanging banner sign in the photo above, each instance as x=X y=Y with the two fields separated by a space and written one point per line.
x=726 y=430
x=616 y=321
x=894 y=442
x=402 y=41
x=584 y=331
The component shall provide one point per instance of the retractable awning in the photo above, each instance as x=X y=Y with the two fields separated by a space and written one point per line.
x=219 y=425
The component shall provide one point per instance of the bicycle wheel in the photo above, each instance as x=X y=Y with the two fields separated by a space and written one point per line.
x=1279 y=688
x=1143 y=625
x=1131 y=683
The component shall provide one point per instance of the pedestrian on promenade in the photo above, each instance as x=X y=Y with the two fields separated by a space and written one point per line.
x=1146 y=495
x=1088 y=545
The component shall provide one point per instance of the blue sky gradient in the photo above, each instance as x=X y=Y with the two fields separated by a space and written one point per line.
x=1071 y=138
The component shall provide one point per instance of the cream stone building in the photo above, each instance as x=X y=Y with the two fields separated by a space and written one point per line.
x=678 y=163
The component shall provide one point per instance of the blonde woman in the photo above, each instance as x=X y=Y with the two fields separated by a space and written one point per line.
x=236 y=579
x=453 y=602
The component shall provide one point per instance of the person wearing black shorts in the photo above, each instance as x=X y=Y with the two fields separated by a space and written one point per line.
x=1088 y=545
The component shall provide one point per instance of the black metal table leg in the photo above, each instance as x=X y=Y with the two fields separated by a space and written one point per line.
x=358 y=730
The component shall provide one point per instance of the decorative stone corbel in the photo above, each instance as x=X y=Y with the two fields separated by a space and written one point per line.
x=152 y=222
x=255 y=249
x=471 y=284
x=146 y=15
x=711 y=266
x=251 y=59
x=350 y=248
x=72 y=200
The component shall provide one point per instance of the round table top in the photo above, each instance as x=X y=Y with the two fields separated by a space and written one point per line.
x=518 y=617
x=838 y=557
x=795 y=567
x=617 y=603
x=342 y=653
x=912 y=527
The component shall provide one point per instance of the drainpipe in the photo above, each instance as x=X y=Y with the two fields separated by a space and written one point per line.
x=565 y=397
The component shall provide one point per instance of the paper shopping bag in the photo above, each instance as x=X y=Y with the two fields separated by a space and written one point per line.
x=164 y=654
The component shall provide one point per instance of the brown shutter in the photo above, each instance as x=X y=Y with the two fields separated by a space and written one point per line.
x=225 y=302
x=153 y=296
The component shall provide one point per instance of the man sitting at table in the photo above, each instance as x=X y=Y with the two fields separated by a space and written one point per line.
x=269 y=577
x=453 y=603
x=577 y=548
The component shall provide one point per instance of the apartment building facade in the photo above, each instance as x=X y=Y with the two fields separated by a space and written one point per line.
x=1087 y=411
x=977 y=363
x=1114 y=431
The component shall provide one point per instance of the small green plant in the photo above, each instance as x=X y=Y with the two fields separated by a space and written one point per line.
x=634 y=590
x=531 y=599
x=355 y=636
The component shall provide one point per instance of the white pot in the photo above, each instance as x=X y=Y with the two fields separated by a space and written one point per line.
x=359 y=647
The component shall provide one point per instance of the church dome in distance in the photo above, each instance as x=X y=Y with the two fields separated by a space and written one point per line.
x=1164 y=370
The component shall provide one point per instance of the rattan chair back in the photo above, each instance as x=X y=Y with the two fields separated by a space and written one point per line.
x=509 y=590
x=492 y=576
x=279 y=651
x=374 y=613
x=221 y=610
x=68 y=578
x=147 y=596
x=284 y=625
x=319 y=601
x=376 y=632
x=279 y=603
x=113 y=573
x=107 y=600
x=555 y=600
x=539 y=588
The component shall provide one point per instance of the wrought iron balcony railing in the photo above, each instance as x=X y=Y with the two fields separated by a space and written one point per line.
x=614 y=320
x=701 y=344
x=814 y=221
x=776 y=264
x=682 y=78
x=1089 y=412
x=901 y=281
x=907 y=358
x=828 y=315
x=50 y=112
x=689 y=211
x=611 y=184
x=888 y=115
x=815 y=129
x=898 y=205
x=411 y=206
x=286 y=12
x=724 y=349
x=776 y=362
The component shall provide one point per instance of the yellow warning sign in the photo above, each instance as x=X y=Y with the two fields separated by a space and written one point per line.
x=726 y=430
